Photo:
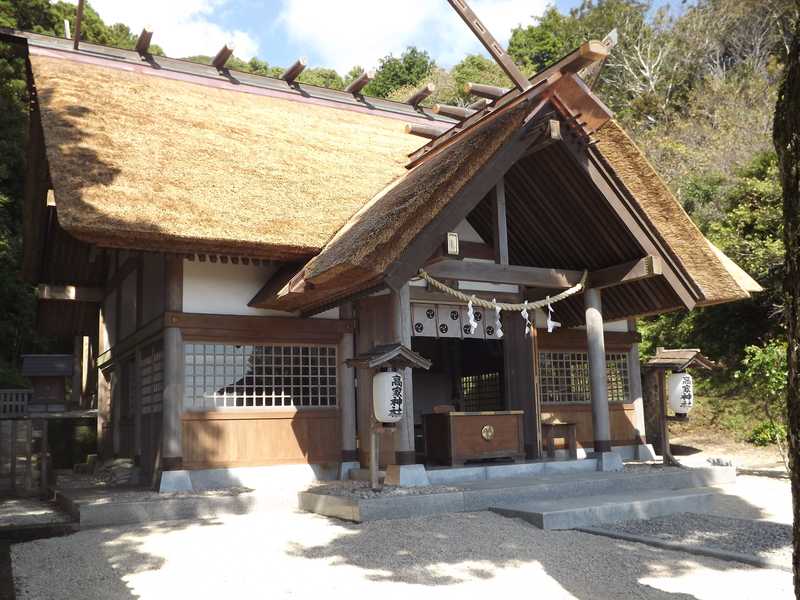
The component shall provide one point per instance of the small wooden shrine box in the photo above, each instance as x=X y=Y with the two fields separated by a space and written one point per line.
x=453 y=438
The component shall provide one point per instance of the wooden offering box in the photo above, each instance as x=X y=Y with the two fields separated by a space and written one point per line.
x=455 y=437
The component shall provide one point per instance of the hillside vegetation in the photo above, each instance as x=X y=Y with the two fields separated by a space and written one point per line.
x=696 y=90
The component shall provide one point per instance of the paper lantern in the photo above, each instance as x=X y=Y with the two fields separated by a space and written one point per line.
x=681 y=393
x=387 y=396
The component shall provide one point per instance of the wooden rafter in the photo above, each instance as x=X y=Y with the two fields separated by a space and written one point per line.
x=293 y=72
x=222 y=57
x=492 y=46
x=490 y=92
x=360 y=82
x=420 y=95
x=456 y=112
x=423 y=130
x=78 y=20
x=143 y=42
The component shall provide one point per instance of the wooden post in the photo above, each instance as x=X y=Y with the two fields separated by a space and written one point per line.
x=78 y=19
x=636 y=393
x=77 y=371
x=171 y=443
x=536 y=442
x=29 y=456
x=500 y=223
x=347 y=390
x=13 y=454
x=652 y=414
x=518 y=381
x=43 y=463
x=598 y=382
x=374 y=453
x=401 y=326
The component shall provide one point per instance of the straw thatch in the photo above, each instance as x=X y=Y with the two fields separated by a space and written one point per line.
x=376 y=235
x=141 y=161
x=720 y=279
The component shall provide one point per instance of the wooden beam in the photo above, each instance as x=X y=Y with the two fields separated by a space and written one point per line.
x=635 y=270
x=490 y=92
x=500 y=222
x=143 y=42
x=456 y=112
x=276 y=282
x=420 y=95
x=293 y=72
x=222 y=57
x=491 y=44
x=360 y=82
x=426 y=131
x=555 y=279
x=78 y=19
x=73 y=293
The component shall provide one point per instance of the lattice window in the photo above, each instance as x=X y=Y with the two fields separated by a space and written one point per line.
x=243 y=376
x=564 y=377
x=482 y=392
x=151 y=377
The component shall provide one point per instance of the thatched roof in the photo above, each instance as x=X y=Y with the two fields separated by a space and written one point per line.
x=143 y=161
x=720 y=279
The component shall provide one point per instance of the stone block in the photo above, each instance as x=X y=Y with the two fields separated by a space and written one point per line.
x=406 y=475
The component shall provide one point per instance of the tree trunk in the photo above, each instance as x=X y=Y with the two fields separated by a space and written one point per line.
x=786 y=136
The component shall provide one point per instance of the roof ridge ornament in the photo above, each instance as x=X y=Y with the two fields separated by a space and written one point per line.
x=492 y=46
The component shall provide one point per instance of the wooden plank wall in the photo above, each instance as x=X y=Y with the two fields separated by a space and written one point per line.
x=623 y=428
x=260 y=437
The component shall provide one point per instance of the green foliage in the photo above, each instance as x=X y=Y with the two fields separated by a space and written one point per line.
x=475 y=68
x=409 y=69
x=767 y=433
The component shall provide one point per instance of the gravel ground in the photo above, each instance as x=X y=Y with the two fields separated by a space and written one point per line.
x=300 y=555
x=361 y=489
x=746 y=536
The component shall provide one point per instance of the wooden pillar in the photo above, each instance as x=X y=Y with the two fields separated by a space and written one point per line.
x=76 y=394
x=652 y=411
x=92 y=343
x=347 y=390
x=29 y=455
x=13 y=454
x=598 y=382
x=104 y=444
x=636 y=395
x=500 y=223
x=171 y=444
x=518 y=381
x=401 y=332
x=44 y=462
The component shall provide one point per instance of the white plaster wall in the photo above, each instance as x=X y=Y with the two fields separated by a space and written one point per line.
x=225 y=289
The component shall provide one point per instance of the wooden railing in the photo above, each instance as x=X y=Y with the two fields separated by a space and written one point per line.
x=14 y=403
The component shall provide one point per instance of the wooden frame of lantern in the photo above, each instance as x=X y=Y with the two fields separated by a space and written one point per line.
x=655 y=392
x=386 y=358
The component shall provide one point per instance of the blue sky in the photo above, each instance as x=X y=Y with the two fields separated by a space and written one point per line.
x=335 y=33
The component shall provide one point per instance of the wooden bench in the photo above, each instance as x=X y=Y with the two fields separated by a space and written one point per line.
x=566 y=431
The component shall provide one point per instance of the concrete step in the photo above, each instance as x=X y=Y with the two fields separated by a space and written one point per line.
x=571 y=513
x=480 y=495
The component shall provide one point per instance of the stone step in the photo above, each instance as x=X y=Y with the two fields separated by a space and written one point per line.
x=480 y=495
x=571 y=513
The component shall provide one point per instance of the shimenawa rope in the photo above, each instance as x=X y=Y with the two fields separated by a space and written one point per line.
x=505 y=305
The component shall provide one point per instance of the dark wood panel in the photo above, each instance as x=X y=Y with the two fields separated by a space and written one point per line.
x=260 y=438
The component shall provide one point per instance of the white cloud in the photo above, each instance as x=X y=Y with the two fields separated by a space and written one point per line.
x=345 y=33
x=181 y=27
